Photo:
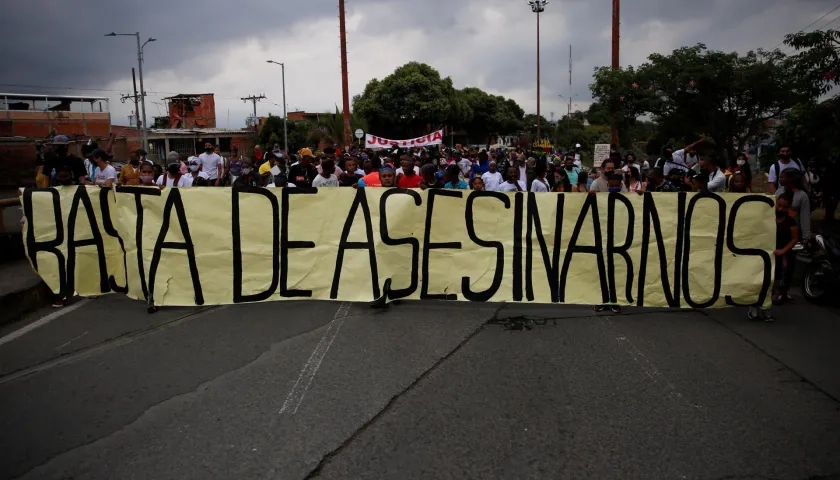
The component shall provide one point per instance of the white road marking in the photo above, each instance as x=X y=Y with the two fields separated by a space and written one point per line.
x=307 y=374
x=43 y=321
x=70 y=341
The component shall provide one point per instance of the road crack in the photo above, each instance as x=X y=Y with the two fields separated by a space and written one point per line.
x=316 y=472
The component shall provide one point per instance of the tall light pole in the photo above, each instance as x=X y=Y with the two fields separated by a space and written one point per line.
x=345 y=89
x=140 y=68
x=616 y=26
x=538 y=6
x=285 y=120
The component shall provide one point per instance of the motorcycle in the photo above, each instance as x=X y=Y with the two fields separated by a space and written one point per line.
x=822 y=276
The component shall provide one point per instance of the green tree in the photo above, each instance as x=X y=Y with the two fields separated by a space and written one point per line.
x=411 y=101
x=811 y=129
x=490 y=114
x=817 y=58
x=415 y=100
x=598 y=114
x=696 y=92
x=299 y=133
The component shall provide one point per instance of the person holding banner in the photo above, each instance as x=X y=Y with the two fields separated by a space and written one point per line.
x=407 y=177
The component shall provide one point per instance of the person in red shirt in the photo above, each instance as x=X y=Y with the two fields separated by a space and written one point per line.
x=408 y=178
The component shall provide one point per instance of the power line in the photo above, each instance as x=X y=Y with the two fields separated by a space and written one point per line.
x=18 y=85
x=810 y=24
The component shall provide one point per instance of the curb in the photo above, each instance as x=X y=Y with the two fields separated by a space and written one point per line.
x=15 y=305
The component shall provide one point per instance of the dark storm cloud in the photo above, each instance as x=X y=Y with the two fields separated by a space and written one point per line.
x=62 y=43
x=54 y=42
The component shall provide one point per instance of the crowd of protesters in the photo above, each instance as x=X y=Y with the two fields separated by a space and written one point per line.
x=796 y=187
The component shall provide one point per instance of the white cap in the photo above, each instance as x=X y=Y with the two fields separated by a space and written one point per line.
x=577 y=145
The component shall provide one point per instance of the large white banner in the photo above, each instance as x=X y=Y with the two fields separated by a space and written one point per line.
x=372 y=141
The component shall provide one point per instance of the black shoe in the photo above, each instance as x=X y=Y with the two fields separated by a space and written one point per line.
x=616 y=309
x=600 y=308
x=382 y=301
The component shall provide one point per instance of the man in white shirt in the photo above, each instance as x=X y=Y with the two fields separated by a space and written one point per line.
x=492 y=178
x=326 y=176
x=678 y=158
x=512 y=183
x=577 y=162
x=211 y=164
x=717 y=179
x=785 y=161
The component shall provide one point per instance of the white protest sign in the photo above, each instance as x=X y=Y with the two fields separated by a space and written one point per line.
x=602 y=152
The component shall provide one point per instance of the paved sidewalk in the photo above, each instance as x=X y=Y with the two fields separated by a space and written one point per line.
x=21 y=290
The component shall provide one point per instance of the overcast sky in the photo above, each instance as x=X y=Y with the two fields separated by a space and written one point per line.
x=222 y=47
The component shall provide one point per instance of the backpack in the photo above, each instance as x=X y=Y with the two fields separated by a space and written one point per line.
x=778 y=167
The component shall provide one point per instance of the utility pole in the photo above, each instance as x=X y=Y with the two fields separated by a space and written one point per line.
x=285 y=116
x=124 y=97
x=140 y=67
x=254 y=99
x=616 y=25
x=538 y=6
x=345 y=89
x=569 y=115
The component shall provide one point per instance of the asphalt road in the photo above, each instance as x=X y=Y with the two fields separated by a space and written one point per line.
x=295 y=390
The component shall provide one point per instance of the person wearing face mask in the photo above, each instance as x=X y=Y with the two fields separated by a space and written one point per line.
x=571 y=170
x=248 y=177
x=741 y=166
x=147 y=176
x=194 y=165
x=211 y=165
x=60 y=157
x=601 y=184
x=130 y=174
x=173 y=177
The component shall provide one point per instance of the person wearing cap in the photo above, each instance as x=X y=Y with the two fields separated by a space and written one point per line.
x=577 y=156
x=302 y=173
x=60 y=156
x=385 y=177
x=194 y=165
x=106 y=174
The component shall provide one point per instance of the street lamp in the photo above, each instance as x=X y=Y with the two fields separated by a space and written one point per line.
x=538 y=6
x=285 y=121
x=140 y=65
x=569 y=101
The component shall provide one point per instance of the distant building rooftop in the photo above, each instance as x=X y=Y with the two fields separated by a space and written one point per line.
x=34 y=98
